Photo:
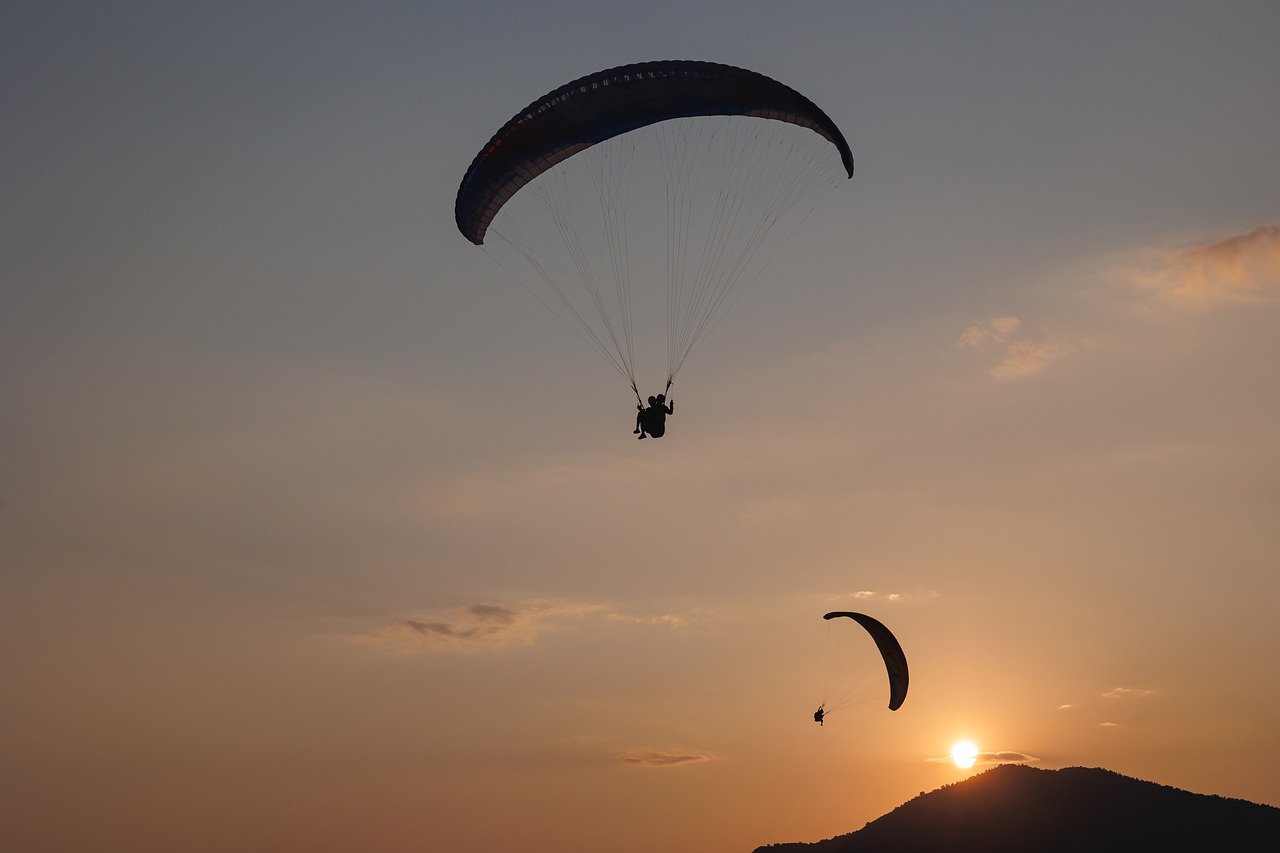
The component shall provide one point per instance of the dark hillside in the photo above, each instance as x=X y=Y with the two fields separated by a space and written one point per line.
x=1019 y=808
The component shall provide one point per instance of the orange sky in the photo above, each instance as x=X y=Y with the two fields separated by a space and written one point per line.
x=317 y=534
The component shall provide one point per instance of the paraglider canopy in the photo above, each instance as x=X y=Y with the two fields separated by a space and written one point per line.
x=609 y=103
x=683 y=177
x=895 y=661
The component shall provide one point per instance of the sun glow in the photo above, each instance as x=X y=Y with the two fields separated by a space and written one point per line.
x=964 y=753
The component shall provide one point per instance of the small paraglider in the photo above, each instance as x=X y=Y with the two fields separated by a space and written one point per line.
x=857 y=668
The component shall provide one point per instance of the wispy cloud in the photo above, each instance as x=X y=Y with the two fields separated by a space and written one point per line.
x=1017 y=354
x=1092 y=709
x=868 y=594
x=1026 y=356
x=1109 y=725
x=1240 y=268
x=1128 y=693
x=878 y=595
x=997 y=330
x=1005 y=758
x=492 y=625
x=480 y=626
x=1001 y=757
x=674 y=620
x=663 y=757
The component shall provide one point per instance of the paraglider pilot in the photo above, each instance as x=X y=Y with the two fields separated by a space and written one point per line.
x=652 y=420
x=819 y=714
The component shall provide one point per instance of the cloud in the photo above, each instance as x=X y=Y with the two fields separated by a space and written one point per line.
x=996 y=330
x=865 y=595
x=1090 y=709
x=870 y=594
x=1001 y=757
x=492 y=625
x=493 y=613
x=1109 y=725
x=675 y=620
x=1024 y=357
x=1018 y=354
x=480 y=626
x=1005 y=758
x=663 y=758
x=1128 y=693
x=1241 y=268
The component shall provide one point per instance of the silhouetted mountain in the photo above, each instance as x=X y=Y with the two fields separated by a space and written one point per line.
x=1018 y=808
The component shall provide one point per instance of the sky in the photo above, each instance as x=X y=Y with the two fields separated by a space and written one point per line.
x=317 y=532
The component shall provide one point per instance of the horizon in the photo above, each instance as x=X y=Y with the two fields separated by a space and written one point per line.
x=318 y=531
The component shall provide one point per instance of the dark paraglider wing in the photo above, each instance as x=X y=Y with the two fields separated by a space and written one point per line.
x=609 y=103
x=895 y=661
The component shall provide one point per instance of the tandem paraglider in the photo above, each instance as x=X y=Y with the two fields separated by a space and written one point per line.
x=677 y=178
x=651 y=421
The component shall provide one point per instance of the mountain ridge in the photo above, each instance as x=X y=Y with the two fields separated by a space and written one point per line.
x=1016 y=808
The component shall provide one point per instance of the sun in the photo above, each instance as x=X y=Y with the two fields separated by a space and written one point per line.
x=964 y=753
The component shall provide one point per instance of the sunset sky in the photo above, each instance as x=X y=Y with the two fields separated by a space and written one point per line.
x=317 y=533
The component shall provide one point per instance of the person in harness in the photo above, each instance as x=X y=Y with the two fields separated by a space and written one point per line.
x=652 y=420
x=819 y=714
